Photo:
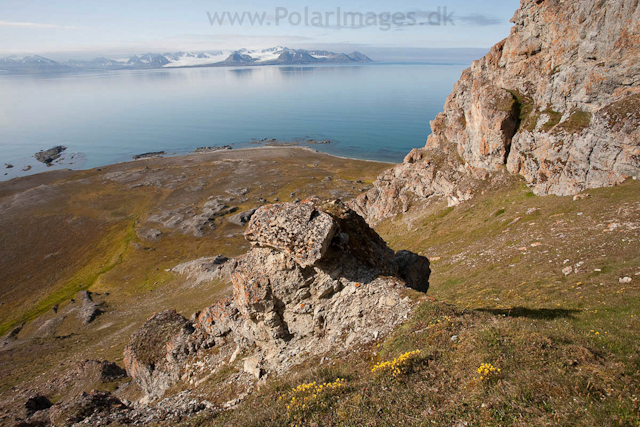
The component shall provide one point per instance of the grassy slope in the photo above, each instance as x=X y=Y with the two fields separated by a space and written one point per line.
x=567 y=346
x=84 y=236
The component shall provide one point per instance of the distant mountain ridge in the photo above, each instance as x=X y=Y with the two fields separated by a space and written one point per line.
x=244 y=57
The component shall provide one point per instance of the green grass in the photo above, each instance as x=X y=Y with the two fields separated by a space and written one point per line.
x=567 y=346
x=545 y=378
x=112 y=250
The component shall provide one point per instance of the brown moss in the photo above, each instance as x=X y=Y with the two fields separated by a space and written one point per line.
x=621 y=111
x=577 y=121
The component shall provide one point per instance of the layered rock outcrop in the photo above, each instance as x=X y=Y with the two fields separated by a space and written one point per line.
x=557 y=102
x=318 y=279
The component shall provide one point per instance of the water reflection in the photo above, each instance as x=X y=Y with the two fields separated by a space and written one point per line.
x=370 y=111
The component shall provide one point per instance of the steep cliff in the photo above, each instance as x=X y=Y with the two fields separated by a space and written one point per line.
x=557 y=102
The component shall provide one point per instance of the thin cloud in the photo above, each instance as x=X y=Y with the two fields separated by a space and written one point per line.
x=480 y=20
x=475 y=19
x=36 y=25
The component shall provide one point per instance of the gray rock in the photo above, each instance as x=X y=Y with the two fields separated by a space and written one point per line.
x=237 y=191
x=555 y=103
x=299 y=230
x=205 y=269
x=252 y=366
x=151 y=234
x=414 y=269
x=157 y=351
x=89 y=309
x=242 y=218
x=49 y=156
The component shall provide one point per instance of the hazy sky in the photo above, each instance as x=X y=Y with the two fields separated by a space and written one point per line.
x=89 y=27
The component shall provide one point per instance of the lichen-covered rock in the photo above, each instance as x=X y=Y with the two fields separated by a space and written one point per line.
x=157 y=351
x=296 y=229
x=557 y=102
x=219 y=319
x=317 y=279
x=297 y=300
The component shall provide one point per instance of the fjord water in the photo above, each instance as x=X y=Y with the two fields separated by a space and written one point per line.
x=377 y=111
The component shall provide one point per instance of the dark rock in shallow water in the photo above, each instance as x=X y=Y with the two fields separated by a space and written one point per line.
x=148 y=155
x=212 y=149
x=8 y=165
x=49 y=156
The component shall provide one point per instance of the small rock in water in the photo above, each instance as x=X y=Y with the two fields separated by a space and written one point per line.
x=49 y=156
x=148 y=155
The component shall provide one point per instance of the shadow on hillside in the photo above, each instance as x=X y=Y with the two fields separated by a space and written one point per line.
x=529 y=313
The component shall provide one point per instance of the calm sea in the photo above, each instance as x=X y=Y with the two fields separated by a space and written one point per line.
x=373 y=111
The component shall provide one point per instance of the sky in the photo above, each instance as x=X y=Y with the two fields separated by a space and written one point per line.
x=87 y=28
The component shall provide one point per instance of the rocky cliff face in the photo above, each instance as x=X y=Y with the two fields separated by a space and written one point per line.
x=557 y=102
x=317 y=280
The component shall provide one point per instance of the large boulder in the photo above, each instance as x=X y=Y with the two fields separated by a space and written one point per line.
x=318 y=279
x=298 y=230
x=156 y=352
x=328 y=280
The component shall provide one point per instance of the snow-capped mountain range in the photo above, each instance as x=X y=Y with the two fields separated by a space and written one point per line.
x=244 y=57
